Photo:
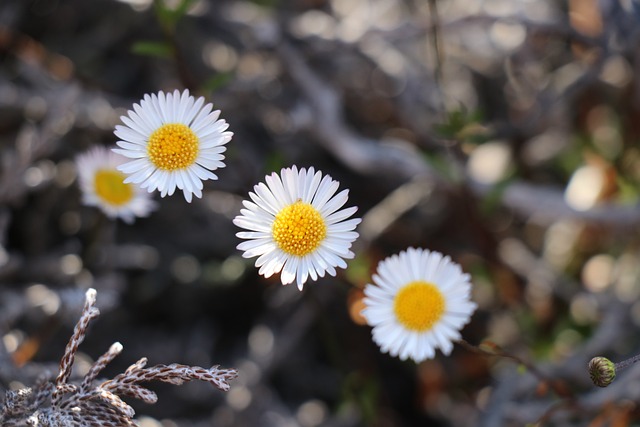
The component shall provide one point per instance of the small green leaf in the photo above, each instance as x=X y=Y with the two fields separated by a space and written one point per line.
x=182 y=9
x=463 y=125
x=168 y=16
x=217 y=81
x=627 y=191
x=275 y=161
x=359 y=269
x=157 y=49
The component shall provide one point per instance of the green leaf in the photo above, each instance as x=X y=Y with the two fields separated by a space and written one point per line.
x=169 y=17
x=443 y=165
x=627 y=191
x=275 y=161
x=359 y=269
x=182 y=9
x=463 y=125
x=217 y=81
x=157 y=49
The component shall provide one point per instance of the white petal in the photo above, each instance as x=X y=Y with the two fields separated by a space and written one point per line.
x=335 y=203
x=288 y=274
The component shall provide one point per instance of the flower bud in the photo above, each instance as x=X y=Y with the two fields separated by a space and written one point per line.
x=602 y=371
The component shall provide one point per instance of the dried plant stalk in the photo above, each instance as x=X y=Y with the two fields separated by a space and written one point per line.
x=65 y=404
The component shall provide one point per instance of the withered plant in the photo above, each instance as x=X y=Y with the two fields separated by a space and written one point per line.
x=64 y=402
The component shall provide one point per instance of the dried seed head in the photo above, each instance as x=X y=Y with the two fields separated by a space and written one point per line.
x=602 y=371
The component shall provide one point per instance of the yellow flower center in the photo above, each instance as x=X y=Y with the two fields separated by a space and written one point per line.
x=110 y=187
x=173 y=146
x=298 y=229
x=419 y=306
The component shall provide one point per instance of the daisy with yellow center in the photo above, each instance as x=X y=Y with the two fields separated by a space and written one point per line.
x=295 y=226
x=420 y=302
x=102 y=185
x=175 y=141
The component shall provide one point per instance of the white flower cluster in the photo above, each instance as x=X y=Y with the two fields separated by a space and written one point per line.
x=294 y=222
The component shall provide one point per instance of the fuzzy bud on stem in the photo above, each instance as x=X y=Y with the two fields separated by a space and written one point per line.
x=602 y=371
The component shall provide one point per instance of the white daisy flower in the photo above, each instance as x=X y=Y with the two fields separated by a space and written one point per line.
x=103 y=185
x=176 y=141
x=295 y=226
x=420 y=302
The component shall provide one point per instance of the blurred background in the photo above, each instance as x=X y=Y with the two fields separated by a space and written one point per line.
x=503 y=133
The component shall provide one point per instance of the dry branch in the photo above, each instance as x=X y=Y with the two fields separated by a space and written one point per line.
x=67 y=404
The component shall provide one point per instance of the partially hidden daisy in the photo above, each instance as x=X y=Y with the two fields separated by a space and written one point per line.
x=296 y=226
x=420 y=301
x=103 y=185
x=175 y=141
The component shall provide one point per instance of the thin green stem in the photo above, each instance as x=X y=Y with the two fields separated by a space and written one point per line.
x=168 y=26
